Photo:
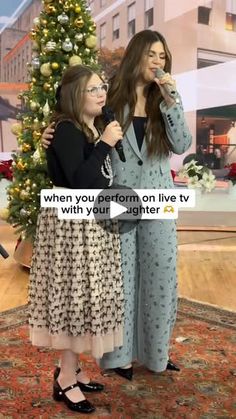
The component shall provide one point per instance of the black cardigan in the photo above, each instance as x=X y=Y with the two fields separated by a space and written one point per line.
x=73 y=162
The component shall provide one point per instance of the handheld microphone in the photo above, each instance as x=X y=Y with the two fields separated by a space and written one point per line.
x=108 y=116
x=168 y=88
x=3 y=252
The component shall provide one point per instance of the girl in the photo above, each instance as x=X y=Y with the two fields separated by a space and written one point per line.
x=76 y=287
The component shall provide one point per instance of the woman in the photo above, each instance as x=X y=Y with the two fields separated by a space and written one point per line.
x=76 y=286
x=154 y=127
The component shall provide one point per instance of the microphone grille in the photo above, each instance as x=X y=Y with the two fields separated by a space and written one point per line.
x=159 y=73
x=108 y=114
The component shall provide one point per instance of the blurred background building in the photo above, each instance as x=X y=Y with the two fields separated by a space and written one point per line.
x=15 y=45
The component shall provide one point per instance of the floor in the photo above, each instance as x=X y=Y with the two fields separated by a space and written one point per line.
x=206 y=269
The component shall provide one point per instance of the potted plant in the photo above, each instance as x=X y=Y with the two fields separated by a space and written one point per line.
x=197 y=176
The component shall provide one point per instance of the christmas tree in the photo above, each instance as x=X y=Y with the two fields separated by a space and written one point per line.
x=63 y=35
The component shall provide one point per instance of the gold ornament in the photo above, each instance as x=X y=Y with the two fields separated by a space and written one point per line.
x=44 y=22
x=79 y=23
x=66 y=7
x=32 y=34
x=28 y=182
x=36 y=135
x=50 y=9
x=16 y=128
x=4 y=213
x=46 y=70
x=77 y=9
x=20 y=165
x=46 y=86
x=75 y=60
x=55 y=66
x=24 y=194
x=33 y=105
x=36 y=124
x=15 y=191
x=45 y=31
x=93 y=27
x=91 y=41
x=25 y=147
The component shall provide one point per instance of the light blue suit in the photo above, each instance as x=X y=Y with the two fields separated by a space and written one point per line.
x=149 y=253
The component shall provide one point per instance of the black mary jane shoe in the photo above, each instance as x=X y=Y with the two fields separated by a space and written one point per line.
x=171 y=366
x=91 y=387
x=124 y=372
x=59 y=395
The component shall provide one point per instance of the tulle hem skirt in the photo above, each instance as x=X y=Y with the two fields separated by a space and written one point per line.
x=76 y=286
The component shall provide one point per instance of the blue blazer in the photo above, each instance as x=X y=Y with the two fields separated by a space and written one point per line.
x=140 y=171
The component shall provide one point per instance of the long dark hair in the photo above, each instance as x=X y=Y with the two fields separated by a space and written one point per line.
x=70 y=99
x=123 y=91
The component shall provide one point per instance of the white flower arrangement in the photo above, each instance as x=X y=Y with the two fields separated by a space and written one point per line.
x=198 y=176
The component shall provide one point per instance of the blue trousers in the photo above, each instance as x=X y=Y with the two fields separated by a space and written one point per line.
x=149 y=268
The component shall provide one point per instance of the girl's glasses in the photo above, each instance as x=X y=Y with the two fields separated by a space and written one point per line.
x=95 y=90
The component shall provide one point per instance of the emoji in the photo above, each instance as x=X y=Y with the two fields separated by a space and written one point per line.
x=169 y=208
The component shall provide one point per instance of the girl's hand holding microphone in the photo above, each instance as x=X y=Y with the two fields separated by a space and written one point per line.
x=112 y=133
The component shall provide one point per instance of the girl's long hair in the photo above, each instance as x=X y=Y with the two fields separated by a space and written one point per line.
x=70 y=99
x=123 y=91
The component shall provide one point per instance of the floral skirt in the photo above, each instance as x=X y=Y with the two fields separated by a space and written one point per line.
x=76 y=298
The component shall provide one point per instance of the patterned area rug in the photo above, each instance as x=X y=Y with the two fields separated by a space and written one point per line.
x=204 y=346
